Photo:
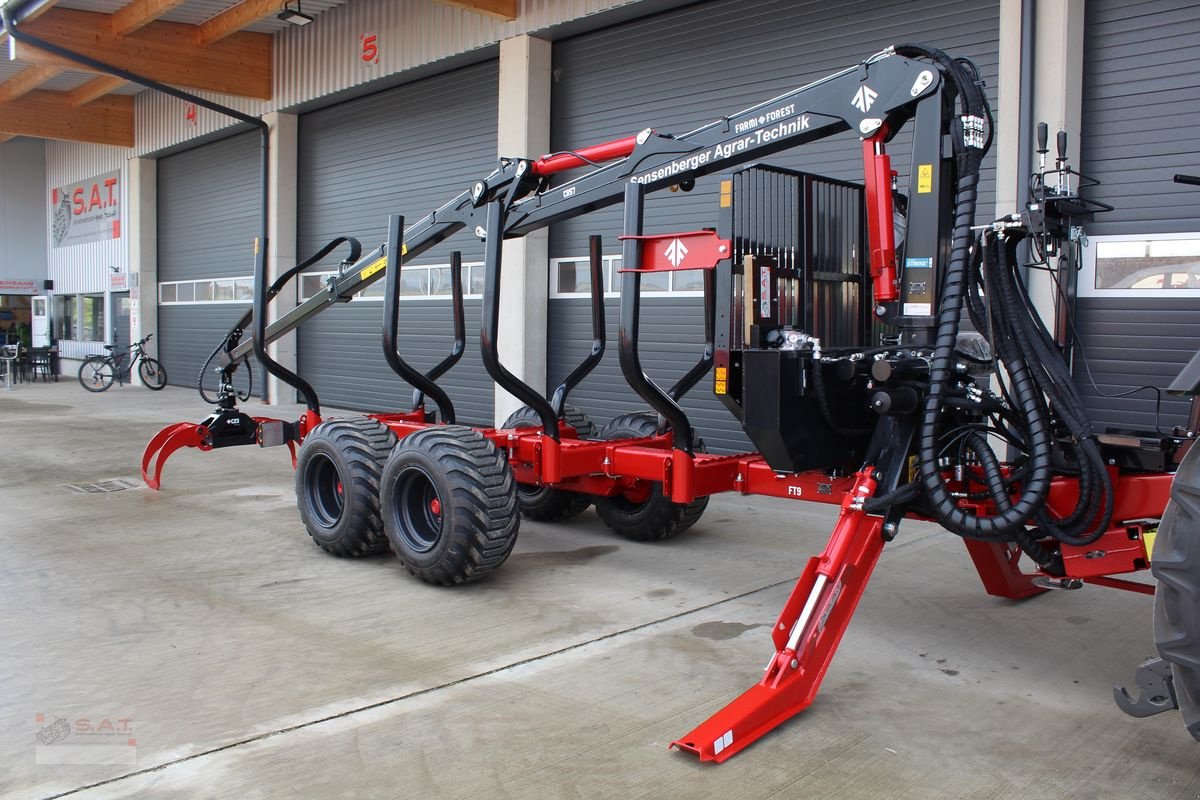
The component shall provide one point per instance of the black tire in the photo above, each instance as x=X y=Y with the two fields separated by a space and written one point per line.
x=449 y=505
x=96 y=374
x=644 y=514
x=543 y=503
x=337 y=485
x=152 y=374
x=1176 y=564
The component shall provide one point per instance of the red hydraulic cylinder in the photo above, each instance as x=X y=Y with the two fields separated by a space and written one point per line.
x=881 y=226
x=584 y=156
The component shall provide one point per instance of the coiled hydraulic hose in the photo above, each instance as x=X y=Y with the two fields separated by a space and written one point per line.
x=1034 y=368
x=968 y=154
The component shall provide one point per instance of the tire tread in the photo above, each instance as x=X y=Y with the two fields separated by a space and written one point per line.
x=657 y=518
x=365 y=443
x=1176 y=565
x=484 y=497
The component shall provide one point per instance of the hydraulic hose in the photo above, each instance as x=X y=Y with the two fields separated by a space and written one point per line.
x=969 y=150
x=235 y=333
x=1029 y=544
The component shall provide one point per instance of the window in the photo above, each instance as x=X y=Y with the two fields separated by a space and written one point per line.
x=1159 y=265
x=91 y=318
x=64 y=316
x=224 y=290
x=416 y=281
x=571 y=277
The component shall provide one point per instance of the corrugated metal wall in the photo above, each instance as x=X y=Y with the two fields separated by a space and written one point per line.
x=23 y=241
x=208 y=216
x=683 y=68
x=1141 y=107
x=84 y=267
x=325 y=57
x=406 y=151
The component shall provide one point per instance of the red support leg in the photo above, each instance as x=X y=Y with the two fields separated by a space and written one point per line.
x=806 y=635
x=996 y=563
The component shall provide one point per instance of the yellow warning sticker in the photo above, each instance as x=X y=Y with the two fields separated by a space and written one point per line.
x=374 y=267
x=924 y=178
x=1149 y=535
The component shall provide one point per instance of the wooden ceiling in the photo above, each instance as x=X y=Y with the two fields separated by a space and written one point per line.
x=217 y=54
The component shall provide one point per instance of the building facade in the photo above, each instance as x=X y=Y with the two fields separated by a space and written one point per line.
x=383 y=107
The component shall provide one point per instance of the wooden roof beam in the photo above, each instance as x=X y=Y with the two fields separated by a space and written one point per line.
x=138 y=15
x=239 y=64
x=27 y=80
x=234 y=19
x=505 y=10
x=49 y=115
x=93 y=89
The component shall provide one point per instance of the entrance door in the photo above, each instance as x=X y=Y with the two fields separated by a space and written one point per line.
x=41 y=322
x=120 y=324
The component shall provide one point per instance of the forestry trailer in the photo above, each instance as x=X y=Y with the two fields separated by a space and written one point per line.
x=835 y=319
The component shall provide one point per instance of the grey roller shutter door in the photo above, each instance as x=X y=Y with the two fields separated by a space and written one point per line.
x=1141 y=111
x=1141 y=108
x=208 y=216
x=683 y=68
x=402 y=151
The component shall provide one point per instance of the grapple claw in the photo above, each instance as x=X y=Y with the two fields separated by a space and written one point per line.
x=166 y=442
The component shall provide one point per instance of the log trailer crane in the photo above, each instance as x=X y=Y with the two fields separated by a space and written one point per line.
x=835 y=340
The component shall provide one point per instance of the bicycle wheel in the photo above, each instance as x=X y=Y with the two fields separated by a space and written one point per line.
x=96 y=373
x=152 y=373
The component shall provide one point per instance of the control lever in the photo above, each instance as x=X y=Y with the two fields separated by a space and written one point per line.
x=1043 y=132
x=1064 y=177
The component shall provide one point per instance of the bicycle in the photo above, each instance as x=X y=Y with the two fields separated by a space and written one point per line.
x=97 y=373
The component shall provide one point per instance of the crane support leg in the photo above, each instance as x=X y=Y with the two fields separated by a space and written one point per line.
x=806 y=635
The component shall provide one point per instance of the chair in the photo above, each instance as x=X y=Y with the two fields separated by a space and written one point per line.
x=40 y=364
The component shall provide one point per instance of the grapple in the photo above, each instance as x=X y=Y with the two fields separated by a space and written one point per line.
x=225 y=427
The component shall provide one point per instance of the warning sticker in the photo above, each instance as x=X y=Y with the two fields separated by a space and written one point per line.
x=924 y=178
x=917 y=309
x=373 y=267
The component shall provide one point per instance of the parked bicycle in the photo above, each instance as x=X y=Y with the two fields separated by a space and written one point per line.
x=97 y=373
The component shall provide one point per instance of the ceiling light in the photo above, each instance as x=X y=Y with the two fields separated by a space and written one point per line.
x=297 y=17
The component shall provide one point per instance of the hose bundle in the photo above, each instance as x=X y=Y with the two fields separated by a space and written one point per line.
x=1038 y=377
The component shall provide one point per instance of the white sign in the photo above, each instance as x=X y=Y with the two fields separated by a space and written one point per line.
x=18 y=287
x=88 y=211
x=118 y=281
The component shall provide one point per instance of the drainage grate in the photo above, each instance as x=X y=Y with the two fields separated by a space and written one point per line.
x=114 y=485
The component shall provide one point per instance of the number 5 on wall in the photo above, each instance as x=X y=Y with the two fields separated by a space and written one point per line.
x=370 y=48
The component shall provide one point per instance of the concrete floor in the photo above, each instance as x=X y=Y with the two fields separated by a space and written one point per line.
x=253 y=665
